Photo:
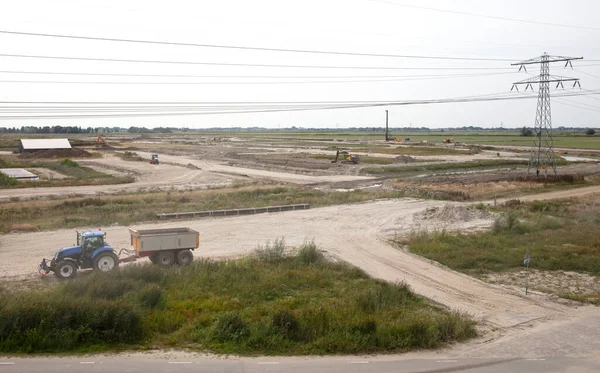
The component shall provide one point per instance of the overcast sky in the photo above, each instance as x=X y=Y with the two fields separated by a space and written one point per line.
x=329 y=25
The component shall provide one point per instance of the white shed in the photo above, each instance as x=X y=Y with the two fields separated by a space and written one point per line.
x=32 y=145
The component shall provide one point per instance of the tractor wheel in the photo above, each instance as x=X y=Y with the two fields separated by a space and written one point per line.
x=184 y=257
x=165 y=258
x=106 y=262
x=65 y=269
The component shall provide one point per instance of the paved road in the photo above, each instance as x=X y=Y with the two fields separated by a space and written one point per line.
x=296 y=365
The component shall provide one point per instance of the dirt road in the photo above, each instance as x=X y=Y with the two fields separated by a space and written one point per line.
x=174 y=175
x=354 y=233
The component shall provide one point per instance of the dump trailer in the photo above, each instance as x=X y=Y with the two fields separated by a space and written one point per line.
x=164 y=247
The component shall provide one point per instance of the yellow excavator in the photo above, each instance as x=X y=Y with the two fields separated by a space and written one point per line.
x=346 y=157
x=449 y=140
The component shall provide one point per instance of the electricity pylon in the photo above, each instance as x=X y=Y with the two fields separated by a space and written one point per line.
x=542 y=154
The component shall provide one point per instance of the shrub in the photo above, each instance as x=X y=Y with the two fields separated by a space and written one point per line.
x=271 y=253
x=152 y=296
x=507 y=222
x=7 y=180
x=309 y=253
x=229 y=327
x=68 y=162
x=285 y=323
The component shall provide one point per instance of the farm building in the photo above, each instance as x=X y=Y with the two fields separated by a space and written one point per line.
x=19 y=174
x=33 y=145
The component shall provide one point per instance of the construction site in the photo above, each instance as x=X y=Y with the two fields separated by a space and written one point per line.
x=200 y=216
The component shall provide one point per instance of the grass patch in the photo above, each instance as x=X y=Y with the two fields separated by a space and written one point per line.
x=68 y=162
x=251 y=306
x=560 y=236
x=442 y=166
x=78 y=175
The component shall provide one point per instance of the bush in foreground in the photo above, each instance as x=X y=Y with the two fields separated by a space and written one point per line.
x=271 y=304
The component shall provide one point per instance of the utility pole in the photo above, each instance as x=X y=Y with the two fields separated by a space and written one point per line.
x=387 y=138
x=542 y=154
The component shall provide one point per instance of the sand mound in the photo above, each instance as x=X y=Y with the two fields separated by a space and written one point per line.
x=58 y=153
x=453 y=213
x=192 y=167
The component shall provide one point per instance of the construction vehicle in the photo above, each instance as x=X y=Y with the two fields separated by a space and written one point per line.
x=164 y=247
x=449 y=140
x=102 y=142
x=346 y=157
x=154 y=159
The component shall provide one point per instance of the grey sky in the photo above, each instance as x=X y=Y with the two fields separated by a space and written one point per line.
x=330 y=25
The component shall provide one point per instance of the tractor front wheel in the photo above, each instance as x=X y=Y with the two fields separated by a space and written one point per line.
x=65 y=269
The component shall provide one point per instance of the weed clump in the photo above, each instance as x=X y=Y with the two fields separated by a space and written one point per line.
x=271 y=252
x=68 y=162
x=152 y=296
x=507 y=223
x=6 y=180
x=229 y=327
x=309 y=253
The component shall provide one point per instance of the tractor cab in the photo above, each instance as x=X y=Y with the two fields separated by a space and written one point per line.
x=154 y=159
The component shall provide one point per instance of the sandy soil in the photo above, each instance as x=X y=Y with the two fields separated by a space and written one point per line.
x=354 y=233
x=555 y=282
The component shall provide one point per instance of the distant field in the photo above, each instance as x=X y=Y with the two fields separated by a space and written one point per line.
x=561 y=139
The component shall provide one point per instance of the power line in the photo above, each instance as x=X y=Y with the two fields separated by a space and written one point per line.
x=245 y=64
x=238 y=47
x=231 y=76
x=576 y=105
x=245 y=83
x=333 y=107
x=486 y=16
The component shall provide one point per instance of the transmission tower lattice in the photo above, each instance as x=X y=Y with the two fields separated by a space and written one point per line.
x=542 y=154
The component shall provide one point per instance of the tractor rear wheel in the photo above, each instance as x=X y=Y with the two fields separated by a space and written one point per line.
x=184 y=257
x=106 y=262
x=65 y=269
x=165 y=258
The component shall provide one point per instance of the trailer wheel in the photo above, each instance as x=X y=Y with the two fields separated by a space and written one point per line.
x=65 y=269
x=165 y=258
x=106 y=262
x=184 y=257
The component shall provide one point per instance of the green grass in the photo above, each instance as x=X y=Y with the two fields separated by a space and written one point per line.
x=252 y=307
x=560 y=235
x=385 y=171
x=132 y=208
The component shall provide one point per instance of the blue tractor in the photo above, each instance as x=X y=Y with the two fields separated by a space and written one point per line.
x=91 y=251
